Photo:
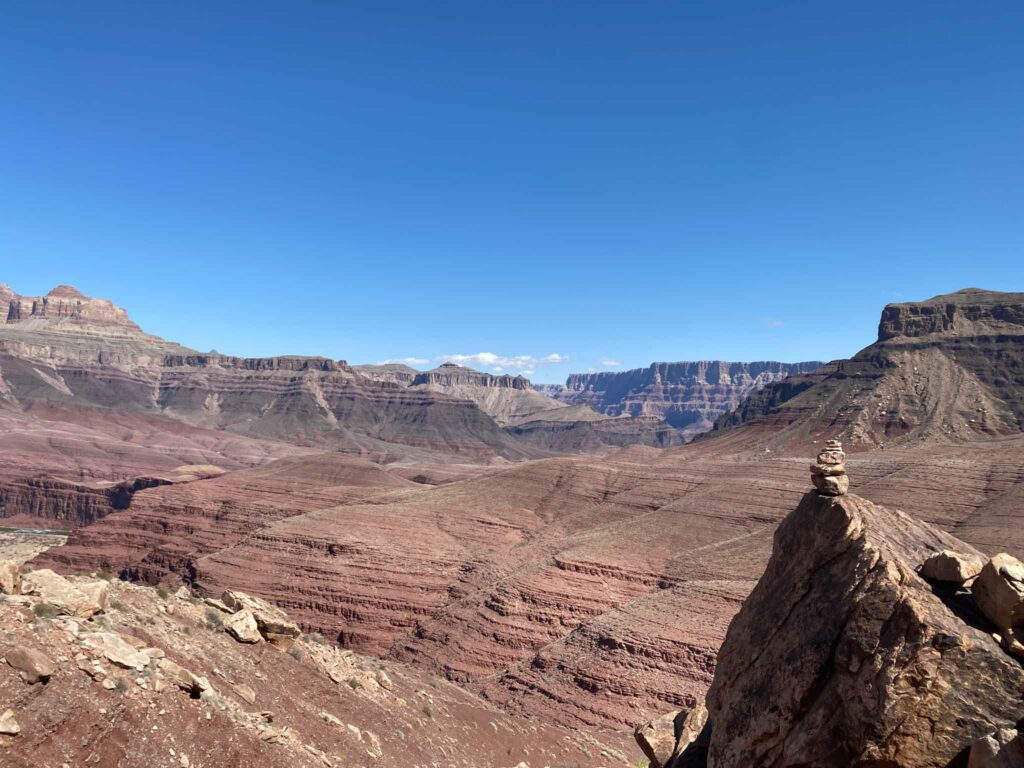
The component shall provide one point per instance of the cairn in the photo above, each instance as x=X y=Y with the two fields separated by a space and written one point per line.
x=828 y=473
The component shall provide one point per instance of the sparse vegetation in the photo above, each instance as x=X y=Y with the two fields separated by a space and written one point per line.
x=117 y=605
x=428 y=710
x=45 y=610
x=213 y=619
x=162 y=593
x=316 y=638
x=105 y=575
x=354 y=684
x=295 y=652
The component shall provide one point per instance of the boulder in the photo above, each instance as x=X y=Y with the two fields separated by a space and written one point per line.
x=82 y=600
x=842 y=655
x=192 y=684
x=952 y=567
x=117 y=649
x=1002 y=749
x=10 y=577
x=33 y=666
x=657 y=739
x=242 y=626
x=999 y=591
x=666 y=740
x=273 y=623
x=245 y=692
x=8 y=725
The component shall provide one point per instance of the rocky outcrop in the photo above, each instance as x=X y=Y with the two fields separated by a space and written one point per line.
x=969 y=312
x=844 y=656
x=688 y=395
x=505 y=398
x=942 y=370
x=63 y=305
x=69 y=350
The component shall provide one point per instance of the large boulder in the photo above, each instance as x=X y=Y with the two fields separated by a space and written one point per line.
x=81 y=600
x=1002 y=749
x=33 y=666
x=242 y=626
x=273 y=623
x=951 y=567
x=10 y=578
x=999 y=591
x=844 y=656
x=664 y=741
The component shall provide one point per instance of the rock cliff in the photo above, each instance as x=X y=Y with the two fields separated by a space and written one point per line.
x=946 y=369
x=688 y=395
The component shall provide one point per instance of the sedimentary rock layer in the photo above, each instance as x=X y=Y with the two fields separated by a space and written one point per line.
x=688 y=395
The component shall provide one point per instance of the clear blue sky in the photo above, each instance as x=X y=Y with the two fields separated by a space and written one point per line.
x=617 y=181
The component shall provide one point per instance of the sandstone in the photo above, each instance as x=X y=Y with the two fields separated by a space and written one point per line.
x=999 y=591
x=245 y=692
x=66 y=596
x=10 y=578
x=117 y=649
x=668 y=737
x=832 y=485
x=33 y=666
x=952 y=567
x=1002 y=749
x=192 y=684
x=274 y=625
x=242 y=626
x=8 y=725
x=842 y=656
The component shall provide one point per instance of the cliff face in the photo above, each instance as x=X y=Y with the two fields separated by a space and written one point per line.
x=688 y=395
x=71 y=350
x=63 y=305
x=947 y=369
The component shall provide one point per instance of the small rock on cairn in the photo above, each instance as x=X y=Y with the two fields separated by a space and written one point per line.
x=828 y=473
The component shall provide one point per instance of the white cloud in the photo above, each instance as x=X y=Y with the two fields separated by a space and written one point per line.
x=524 y=364
x=610 y=363
x=773 y=322
x=407 y=361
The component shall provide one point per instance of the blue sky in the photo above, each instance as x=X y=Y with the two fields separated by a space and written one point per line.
x=594 y=183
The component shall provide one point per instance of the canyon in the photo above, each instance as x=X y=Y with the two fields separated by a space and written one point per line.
x=688 y=395
x=561 y=576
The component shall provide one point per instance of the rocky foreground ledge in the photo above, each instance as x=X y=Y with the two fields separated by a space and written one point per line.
x=845 y=654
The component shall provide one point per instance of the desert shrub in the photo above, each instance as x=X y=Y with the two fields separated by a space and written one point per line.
x=428 y=710
x=162 y=593
x=213 y=619
x=354 y=684
x=45 y=610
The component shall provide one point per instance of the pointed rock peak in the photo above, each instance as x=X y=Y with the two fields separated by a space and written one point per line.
x=67 y=292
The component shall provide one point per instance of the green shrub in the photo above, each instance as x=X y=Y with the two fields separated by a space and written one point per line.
x=354 y=684
x=162 y=593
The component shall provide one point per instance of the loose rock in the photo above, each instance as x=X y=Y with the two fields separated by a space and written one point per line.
x=8 y=725
x=33 y=666
x=952 y=567
x=999 y=591
x=10 y=578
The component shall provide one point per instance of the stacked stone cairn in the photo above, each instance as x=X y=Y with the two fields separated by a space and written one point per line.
x=828 y=473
